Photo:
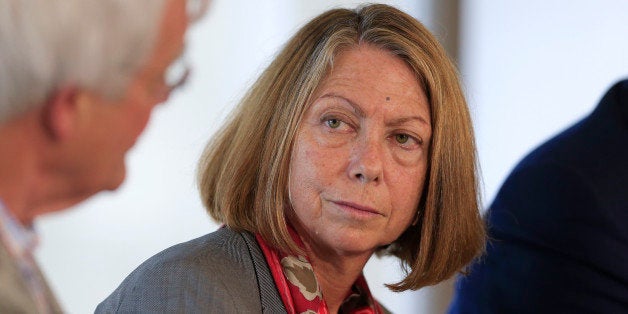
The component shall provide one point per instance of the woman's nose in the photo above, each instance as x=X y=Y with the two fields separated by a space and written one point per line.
x=366 y=164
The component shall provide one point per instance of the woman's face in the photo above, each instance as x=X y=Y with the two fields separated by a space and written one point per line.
x=360 y=155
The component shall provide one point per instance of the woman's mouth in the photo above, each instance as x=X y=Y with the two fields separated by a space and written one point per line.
x=357 y=209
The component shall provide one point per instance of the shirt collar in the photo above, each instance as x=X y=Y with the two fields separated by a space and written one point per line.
x=19 y=239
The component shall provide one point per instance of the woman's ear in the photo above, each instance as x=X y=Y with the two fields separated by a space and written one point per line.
x=62 y=112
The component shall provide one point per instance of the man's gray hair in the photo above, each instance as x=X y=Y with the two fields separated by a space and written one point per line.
x=92 y=44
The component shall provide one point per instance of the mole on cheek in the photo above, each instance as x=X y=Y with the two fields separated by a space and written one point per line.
x=387 y=98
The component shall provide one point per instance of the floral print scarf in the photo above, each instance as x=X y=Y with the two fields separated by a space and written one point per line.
x=299 y=289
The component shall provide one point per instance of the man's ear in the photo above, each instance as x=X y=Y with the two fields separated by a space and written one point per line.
x=63 y=111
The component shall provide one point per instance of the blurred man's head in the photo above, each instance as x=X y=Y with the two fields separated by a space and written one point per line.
x=78 y=81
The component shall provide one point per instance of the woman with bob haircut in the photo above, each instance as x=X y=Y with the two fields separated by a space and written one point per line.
x=355 y=140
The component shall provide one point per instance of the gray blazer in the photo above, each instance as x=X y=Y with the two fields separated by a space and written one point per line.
x=222 y=272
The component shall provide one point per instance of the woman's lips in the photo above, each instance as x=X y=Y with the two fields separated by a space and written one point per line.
x=357 y=207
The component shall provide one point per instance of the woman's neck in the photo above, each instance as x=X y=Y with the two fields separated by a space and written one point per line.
x=336 y=274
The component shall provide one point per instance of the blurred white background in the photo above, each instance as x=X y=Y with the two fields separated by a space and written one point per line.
x=530 y=68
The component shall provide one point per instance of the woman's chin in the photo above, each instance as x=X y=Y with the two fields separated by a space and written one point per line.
x=350 y=244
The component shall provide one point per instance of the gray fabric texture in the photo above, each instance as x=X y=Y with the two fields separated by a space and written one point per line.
x=222 y=272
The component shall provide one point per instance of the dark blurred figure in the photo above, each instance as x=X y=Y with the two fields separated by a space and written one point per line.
x=559 y=225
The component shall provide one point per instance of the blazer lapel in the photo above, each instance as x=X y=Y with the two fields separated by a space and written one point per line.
x=14 y=294
x=271 y=301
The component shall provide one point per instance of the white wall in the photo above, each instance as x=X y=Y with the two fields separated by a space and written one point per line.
x=530 y=69
x=534 y=67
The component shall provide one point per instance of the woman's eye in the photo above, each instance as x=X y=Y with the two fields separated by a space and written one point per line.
x=333 y=123
x=402 y=138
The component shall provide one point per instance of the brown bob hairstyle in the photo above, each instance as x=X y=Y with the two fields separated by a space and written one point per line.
x=243 y=173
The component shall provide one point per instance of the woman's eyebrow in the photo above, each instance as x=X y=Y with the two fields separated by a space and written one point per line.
x=356 y=108
x=404 y=120
x=360 y=112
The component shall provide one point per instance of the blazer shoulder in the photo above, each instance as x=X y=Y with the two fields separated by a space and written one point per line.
x=214 y=272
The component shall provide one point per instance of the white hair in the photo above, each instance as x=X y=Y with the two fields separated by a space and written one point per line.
x=92 y=44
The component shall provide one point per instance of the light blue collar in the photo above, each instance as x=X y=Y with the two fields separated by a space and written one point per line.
x=18 y=238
